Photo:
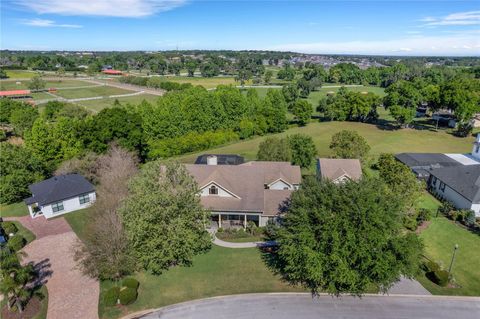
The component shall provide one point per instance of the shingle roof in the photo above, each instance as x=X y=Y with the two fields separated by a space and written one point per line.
x=58 y=188
x=247 y=181
x=426 y=160
x=465 y=180
x=333 y=168
x=222 y=159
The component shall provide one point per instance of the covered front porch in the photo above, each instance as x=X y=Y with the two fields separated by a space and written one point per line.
x=234 y=219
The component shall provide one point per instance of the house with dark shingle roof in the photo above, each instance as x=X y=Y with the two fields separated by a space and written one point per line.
x=60 y=195
x=252 y=191
x=459 y=185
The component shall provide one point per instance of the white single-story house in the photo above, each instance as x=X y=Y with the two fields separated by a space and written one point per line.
x=452 y=177
x=60 y=195
x=252 y=191
x=339 y=170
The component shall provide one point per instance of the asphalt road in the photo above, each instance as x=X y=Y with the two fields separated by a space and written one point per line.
x=302 y=306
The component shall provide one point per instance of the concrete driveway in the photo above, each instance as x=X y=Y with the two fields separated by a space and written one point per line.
x=70 y=294
x=302 y=306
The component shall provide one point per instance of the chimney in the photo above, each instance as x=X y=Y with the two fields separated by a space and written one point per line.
x=211 y=160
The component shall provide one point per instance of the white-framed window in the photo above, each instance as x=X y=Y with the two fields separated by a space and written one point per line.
x=213 y=190
x=85 y=198
x=442 y=186
x=57 y=207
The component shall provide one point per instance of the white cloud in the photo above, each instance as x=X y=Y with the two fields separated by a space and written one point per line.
x=48 y=24
x=112 y=8
x=467 y=44
x=459 y=18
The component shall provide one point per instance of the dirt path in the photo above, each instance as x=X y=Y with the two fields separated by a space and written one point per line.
x=70 y=294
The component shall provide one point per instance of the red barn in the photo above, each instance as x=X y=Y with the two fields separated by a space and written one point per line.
x=112 y=72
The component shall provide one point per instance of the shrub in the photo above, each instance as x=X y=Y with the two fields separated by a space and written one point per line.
x=16 y=242
x=423 y=215
x=441 y=277
x=127 y=295
x=111 y=296
x=130 y=282
x=9 y=227
x=432 y=266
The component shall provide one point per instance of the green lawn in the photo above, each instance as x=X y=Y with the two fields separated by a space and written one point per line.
x=20 y=74
x=13 y=210
x=221 y=271
x=25 y=233
x=12 y=85
x=439 y=239
x=78 y=221
x=91 y=92
x=380 y=140
x=429 y=202
x=98 y=105
x=315 y=97
x=207 y=83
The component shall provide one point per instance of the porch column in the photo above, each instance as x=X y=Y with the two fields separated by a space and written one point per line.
x=30 y=210
x=219 y=220
x=245 y=221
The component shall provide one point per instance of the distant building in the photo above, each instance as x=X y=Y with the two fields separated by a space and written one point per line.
x=339 y=170
x=60 y=195
x=112 y=72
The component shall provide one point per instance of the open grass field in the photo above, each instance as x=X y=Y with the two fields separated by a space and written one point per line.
x=12 y=85
x=20 y=74
x=13 y=210
x=439 y=238
x=380 y=140
x=221 y=271
x=91 y=92
x=207 y=83
x=98 y=105
x=315 y=97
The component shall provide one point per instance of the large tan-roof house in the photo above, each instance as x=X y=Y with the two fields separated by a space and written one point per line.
x=252 y=191
x=339 y=170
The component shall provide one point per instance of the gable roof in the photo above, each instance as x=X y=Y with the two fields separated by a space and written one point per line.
x=426 y=160
x=465 y=180
x=247 y=181
x=334 y=168
x=58 y=188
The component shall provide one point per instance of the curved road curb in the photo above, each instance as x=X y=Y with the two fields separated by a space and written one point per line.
x=140 y=314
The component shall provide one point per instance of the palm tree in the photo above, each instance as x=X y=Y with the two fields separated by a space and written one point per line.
x=14 y=278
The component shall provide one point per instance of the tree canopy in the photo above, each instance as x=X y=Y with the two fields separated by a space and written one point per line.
x=349 y=144
x=339 y=238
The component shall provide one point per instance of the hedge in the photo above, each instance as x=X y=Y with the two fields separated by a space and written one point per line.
x=16 y=242
x=127 y=295
x=111 y=296
x=441 y=277
x=9 y=227
x=130 y=282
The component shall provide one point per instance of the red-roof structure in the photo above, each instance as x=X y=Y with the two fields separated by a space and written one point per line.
x=14 y=93
x=112 y=72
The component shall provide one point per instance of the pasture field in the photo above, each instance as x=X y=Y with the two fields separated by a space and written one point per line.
x=20 y=74
x=98 y=105
x=91 y=92
x=315 y=97
x=208 y=83
x=380 y=140
x=11 y=85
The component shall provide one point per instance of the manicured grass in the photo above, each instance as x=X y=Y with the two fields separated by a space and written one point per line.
x=13 y=210
x=207 y=83
x=25 y=233
x=244 y=239
x=429 y=202
x=439 y=239
x=20 y=74
x=98 y=105
x=315 y=97
x=65 y=83
x=221 y=271
x=78 y=221
x=91 y=92
x=380 y=140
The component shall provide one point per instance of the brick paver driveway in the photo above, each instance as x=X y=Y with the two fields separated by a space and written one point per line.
x=70 y=294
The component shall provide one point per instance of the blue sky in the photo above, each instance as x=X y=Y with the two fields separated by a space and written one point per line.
x=343 y=27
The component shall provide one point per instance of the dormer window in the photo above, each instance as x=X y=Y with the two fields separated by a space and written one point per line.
x=213 y=190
